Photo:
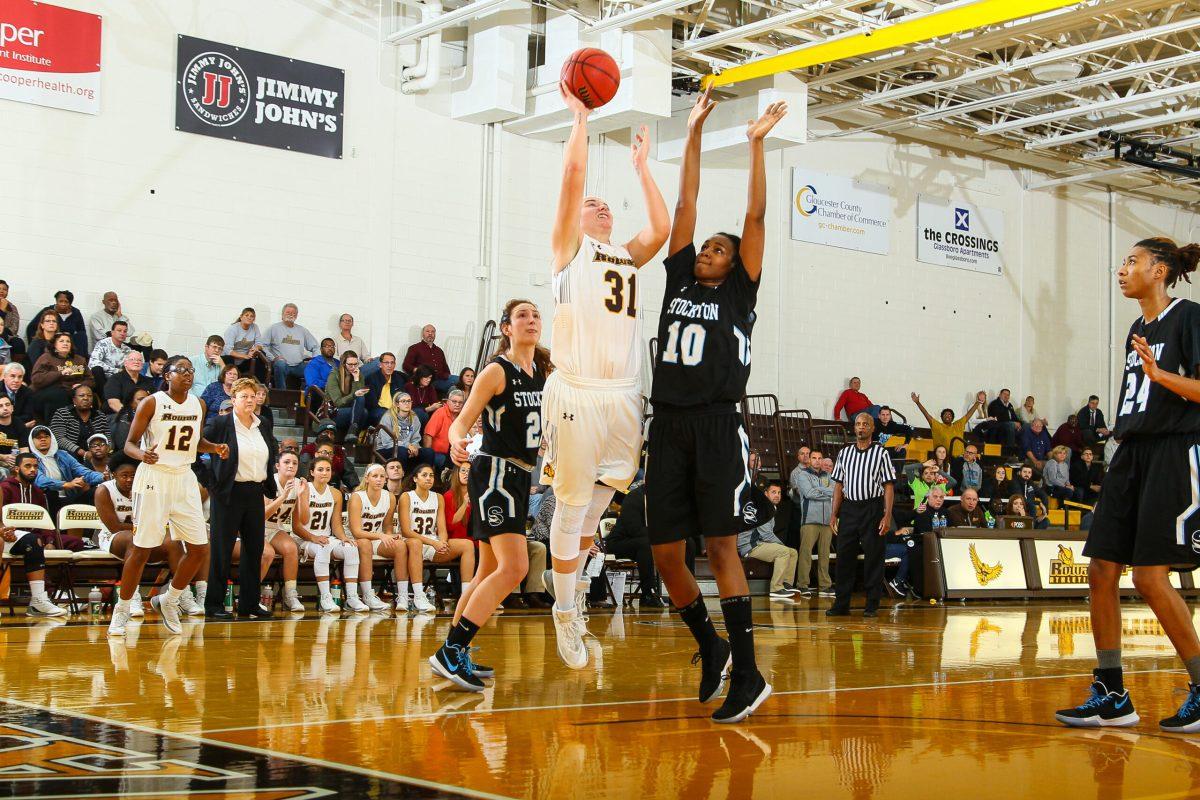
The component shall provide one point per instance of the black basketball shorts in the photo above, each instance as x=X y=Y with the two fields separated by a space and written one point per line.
x=1148 y=513
x=499 y=492
x=698 y=478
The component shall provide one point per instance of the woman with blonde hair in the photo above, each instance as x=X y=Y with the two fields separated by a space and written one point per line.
x=1056 y=477
x=373 y=517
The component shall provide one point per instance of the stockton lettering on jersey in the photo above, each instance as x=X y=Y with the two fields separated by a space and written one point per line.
x=1132 y=359
x=682 y=307
x=618 y=260
x=169 y=417
x=527 y=399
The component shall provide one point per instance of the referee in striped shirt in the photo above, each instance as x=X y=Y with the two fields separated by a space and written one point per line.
x=864 y=489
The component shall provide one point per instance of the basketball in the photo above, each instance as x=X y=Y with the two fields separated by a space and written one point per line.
x=592 y=76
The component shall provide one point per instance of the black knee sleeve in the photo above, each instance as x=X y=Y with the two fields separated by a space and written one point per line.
x=31 y=552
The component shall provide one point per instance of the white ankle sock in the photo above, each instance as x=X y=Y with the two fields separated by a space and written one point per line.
x=418 y=588
x=37 y=589
x=323 y=586
x=173 y=593
x=402 y=590
x=289 y=587
x=364 y=588
x=564 y=590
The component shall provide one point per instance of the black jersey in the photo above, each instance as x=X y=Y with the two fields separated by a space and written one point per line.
x=1149 y=409
x=704 y=332
x=512 y=420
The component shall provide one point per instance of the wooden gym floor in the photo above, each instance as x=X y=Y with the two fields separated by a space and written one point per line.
x=940 y=702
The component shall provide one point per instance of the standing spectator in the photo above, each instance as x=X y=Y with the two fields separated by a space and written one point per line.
x=69 y=320
x=73 y=425
x=423 y=393
x=1056 y=476
x=1091 y=422
x=62 y=477
x=629 y=539
x=1007 y=421
x=967 y=514
x=317 y=372
x=763 y=544
x=399 y=435
x=346 y=390
x=108 y=354
x=346 y=339
x=1028 y=412
x=466 y=379
x=20 y=487
x=55 y=375
x=42 y=335
x=948 y=431
x=1087 y=475
x=244 y=345
x=1035 y=445
x=208 y=366
x=864 y=490
x=854 y=402
x=436 y=432
x=970 y=471
x=815 y=487
x=10 y=322
x=381 y=387
x=998 y=489
x=803 y=455
x=888 y=428
x=219 y=391
x=15 y=390
x=289 y=346
x=1069 y=435
x=102 y=322
x=426 y=353
x=119 y=388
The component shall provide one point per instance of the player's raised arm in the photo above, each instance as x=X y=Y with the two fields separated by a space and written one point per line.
x=651 y=238
x=683 y=227
x=566 y=237
x=754 y=228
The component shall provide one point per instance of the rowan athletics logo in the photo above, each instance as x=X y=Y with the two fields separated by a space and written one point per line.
x=216 y=89
x=1065 y=572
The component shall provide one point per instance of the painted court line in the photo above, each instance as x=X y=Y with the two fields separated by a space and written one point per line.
x=316 y=762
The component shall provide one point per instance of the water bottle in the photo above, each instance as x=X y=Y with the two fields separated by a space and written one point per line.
x=95 y=601
x=268 y=596
x=991 y=521
x=229 y=597
x=335 y=591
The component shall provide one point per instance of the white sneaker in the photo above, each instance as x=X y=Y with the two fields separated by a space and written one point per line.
x=200 y=596
x=120 y=618
x=326 y=604
x=374 y=603
x=168 y=611
x=422 y=604
x=188 y=604
x=355 y=604
x=291 y=602
x=42 y=607
x=569 y=628
x=582 y=587
x=136 y=609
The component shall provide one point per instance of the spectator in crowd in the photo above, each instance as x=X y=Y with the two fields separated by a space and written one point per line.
x=108 y=354
x=73 y=425
x=264 y=413
x=1056 y=475
x=905 y=542
x=458 y=503
x=289 y=347
x=346 y=339
x=10 y=322
x=926 y=480
x=20 y=487
x=537 y=541
x=754 y=462
x=887 y=428
x=436 y=432
x=400 y=437
x=119 y=388
x=803 y=456
x=948 y=431
x=344 y=476
x=968 y=513
x=219 y=391
x=102 y=322
x=244 y=345
x=423 y=393
x=998 y=488
x=1035 y=445
x=124 y=418
x=1028 y=412
x=69 y=320
x=317 y=372
x=346 y=391
x=99 y=454
x=853 y=402
x=466 y=379
x=1068 y=435
x=14 y=389
x=55 y=376
x=1017 y=507
x=208 y=366
x=156 y=362
x=426 y=353
x=13 y=435
x=815 y=487
x=941 y=458
x=762 y=544
x=969 y=470
x=1007 y=422
x=61 y=477
x=1091 y=422
x=382 y=386
x=629 y=539
x=1087 y=475
x=1025 y=485
x=43 y=334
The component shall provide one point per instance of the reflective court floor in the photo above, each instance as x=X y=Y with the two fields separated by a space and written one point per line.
x=941 y=702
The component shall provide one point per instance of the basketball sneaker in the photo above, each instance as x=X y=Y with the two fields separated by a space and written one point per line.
x=373 y=602
x=454 y=664
x=120 y=619
x=42 y=607
x=354 y=603
x=479 y=669
x=1187 y=718
x=188 y=604
x=327 y=605
x=569 y=629
x=714 y=670
x=1103 y=709
x=291 y=602
x=422 y=604
x=168 y=611
x=136 y=609
x=745 y=695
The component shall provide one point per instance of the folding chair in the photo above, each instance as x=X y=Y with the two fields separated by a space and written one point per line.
x=30 y=517
x=78 y=516
x=614 y=564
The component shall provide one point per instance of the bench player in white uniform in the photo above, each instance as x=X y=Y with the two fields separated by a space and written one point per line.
x=592 y=406
x=373 y=519
x=423 y=523
x=166 y=434
x=278 y=524
x=317 y=529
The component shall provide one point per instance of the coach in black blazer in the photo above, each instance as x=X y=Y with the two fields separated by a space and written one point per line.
x=239 y=485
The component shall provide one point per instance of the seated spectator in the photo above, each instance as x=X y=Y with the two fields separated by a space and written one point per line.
x=1056 y=476
x=318 y=369
x=244 y=345
x=423 y=393
x=20 y=487
x=10 y=322
x=62 y=478
x=346 y=391
x=69 y=321
x=42 y=335
x=1025 y=485
x=19 y=394
x=99 y=454
x=1091 y=422
x=762 y=544
x=948 y=431
x=381 y=387
x=1007 y=422
x=630 y=540
x=1087 y=475
x=458 y=504
x=208 y=366
x=102 y=322
x=998 y=489
x=968 y=513
x=55 y=376
x=342 y=475
x=941 y=458
x=1027 y=413
x=426 y=353
x=814 y=486
x=907 y=541
x=466 y=379
x=1035 y=445
x=347 y=340
x=537 y=541
x=969 y=470
x=124 y=418
x=1068 y=435
x=119 y=388
x=289 y=347
x=266 y=416
x=852 y=401
x=288 y=444
x=436 y=435
x=1016 y=506
x=156 y=362
x=886 y=428
x=399 y=435
x=926 y=480
x=14 y=436
x=73 y=425
x=219 y=391
x=108 y=354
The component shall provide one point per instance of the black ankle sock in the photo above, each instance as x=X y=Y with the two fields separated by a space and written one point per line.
x=740 y=626
x=1111 y=678
x=695 y=614
x=462 y=633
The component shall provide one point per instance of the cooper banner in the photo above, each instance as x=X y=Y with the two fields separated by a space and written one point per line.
x=234 y=93
x=841 y=212
x=960 y=235
x=50 y=56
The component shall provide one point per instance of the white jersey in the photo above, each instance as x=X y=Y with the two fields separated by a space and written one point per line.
x=175 y=431
x=122 y=505
x=422 y=514
x=597 y=334
x=281 y=519
x=373 y=515
x=320 y=511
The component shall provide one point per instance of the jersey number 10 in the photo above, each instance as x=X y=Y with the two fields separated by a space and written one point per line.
x=692 y=342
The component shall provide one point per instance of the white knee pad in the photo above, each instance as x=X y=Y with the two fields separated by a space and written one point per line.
x=601 y=497
x=565 y=528
x=349 y=556
x=321 y=554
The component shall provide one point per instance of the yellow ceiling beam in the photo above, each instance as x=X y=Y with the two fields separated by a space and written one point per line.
x=919 y=28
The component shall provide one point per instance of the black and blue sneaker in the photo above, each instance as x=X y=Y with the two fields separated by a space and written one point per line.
x=479 y=669
x=1187 y=718
x=746 y=694
x=1104 y=709
x=454 y=664
x=714 y=669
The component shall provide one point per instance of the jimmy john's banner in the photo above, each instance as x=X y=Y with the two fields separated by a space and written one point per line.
x=234 y=93
x=952 y=234
x=50 y=56
x=973 y=565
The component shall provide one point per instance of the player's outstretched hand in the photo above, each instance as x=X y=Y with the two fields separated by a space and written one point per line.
x=639 y=149
x=1149 y=363
x=458 y=452
x=574 y=104
x=756 y=129
x=149 y=456
x=704 y=106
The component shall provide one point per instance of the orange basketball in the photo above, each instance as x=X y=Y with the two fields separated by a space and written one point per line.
x=592 y=76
